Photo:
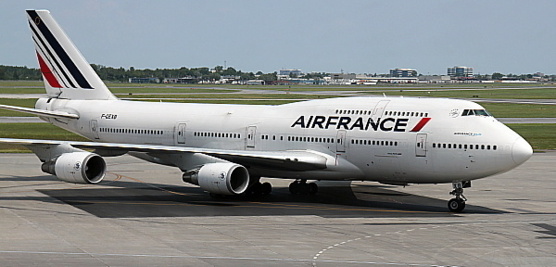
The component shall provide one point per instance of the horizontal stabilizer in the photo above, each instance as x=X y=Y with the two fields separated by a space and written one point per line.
x=42 y=112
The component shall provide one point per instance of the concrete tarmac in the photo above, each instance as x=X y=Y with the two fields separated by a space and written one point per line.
x=143 y=215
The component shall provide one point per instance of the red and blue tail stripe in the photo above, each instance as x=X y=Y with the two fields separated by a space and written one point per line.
x=56 y=65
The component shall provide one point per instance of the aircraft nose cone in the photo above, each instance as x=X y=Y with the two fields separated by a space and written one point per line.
x=521 y=151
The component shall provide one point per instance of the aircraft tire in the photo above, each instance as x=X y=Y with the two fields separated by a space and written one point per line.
x=313 y=188
x=303 y=188
x=266 y=189
x=294 y=188
x=456 y=205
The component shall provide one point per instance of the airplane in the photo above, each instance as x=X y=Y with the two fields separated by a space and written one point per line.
x=226 y=149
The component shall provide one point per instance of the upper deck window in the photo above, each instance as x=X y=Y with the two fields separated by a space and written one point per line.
x=475 y=112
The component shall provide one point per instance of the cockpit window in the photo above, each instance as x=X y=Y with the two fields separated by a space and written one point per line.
x=482 y=112
x=475 y=112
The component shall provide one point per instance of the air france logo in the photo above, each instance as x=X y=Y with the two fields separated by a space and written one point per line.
x=348 y=123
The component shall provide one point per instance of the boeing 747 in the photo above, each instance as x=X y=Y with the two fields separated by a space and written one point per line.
x=226 y=149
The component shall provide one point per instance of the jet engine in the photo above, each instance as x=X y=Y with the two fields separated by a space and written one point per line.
x=77 y=167
x=219 y=178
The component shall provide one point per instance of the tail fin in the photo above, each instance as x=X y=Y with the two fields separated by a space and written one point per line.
x=65 y=71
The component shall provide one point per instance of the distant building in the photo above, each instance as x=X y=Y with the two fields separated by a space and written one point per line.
x=460 y=72
x=186 y=79
x=342 y=76
x=403 y=73
x=254 y=82
x=144 y=80
x=290 y=72
x=434 y=79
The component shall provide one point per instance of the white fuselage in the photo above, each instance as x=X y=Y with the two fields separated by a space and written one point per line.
x=390 y=140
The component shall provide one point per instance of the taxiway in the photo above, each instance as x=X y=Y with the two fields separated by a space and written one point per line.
x=143 y=215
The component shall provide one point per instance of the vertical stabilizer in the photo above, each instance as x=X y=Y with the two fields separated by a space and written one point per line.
x=65 y=71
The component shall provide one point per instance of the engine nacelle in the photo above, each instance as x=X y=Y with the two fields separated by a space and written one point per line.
x=77 y=167
x=220 y=178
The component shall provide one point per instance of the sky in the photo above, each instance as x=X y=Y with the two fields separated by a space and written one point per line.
x=367 y=36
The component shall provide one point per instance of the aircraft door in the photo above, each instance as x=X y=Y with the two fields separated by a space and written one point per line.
x=341 y=141
x=94 y=129
x=180 y=134
x=251 y=133
x=421 y=145
x=379 y=109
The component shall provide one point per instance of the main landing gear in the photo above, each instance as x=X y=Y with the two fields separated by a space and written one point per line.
x=457 y=204
x=255 y=189
x=259 y=189
x=301 y=187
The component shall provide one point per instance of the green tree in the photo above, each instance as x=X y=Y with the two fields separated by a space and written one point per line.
x=269 y=77
x=212 y=77
x=218 y=68
x=247 y=76
x=230 y=71
x=17 y=73
x=497 y=76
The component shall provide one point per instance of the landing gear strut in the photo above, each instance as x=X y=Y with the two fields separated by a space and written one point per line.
x=457 y=204
x=301 y=187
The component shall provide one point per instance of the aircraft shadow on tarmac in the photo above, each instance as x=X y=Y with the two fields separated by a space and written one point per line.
x=335 y=199
x=17 y=178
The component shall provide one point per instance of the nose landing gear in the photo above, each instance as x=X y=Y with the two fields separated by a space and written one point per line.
x=457 y=204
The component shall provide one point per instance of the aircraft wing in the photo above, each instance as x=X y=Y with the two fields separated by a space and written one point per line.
x=42 y=113
x=299 y=160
